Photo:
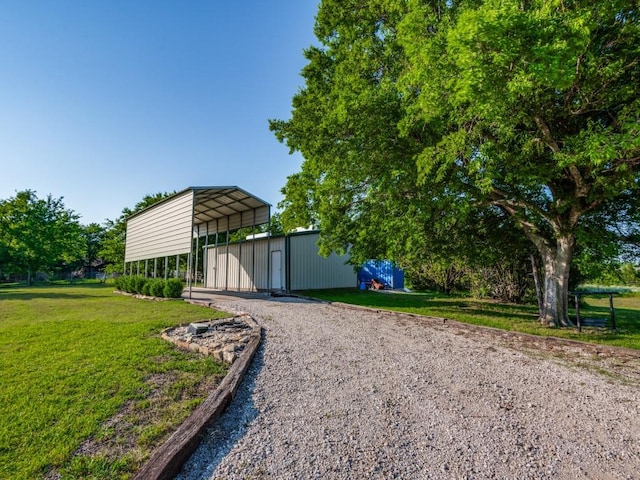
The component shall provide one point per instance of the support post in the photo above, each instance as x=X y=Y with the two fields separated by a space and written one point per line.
x=253 y=253
x=197 y=252
x=205 y=258
x=269 y=252
x=189 y=272
x=215 y=272
x=226 y=273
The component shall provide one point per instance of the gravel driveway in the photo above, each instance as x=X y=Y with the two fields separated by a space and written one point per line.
x=336 y=393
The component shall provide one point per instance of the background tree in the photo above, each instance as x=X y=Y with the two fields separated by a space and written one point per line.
x=38 y=234
x=531 y=108
x=93 y=235
x=274 y=227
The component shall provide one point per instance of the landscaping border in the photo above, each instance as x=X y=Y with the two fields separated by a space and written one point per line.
x=169 y=458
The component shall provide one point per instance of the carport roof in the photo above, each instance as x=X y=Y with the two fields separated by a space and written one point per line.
x=211 y=203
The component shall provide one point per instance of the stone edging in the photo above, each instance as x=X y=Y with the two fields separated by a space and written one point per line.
x=168 y=459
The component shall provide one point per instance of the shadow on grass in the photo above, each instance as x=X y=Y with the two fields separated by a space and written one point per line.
x=429 y=303
x=627 y=320
x=21 y=292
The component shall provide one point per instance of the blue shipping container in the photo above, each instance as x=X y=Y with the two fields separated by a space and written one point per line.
x=384 y=271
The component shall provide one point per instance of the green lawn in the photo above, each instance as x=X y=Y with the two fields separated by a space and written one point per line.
x=70 y=358
x=521 y=318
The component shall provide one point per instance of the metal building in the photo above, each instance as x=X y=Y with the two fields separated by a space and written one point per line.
x=193 y=223
x=176 y=225
x=289 y=262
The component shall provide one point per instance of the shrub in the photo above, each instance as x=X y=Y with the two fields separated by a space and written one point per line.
x=173 y=288
x=137 y=285
x=146 y=288
x=508 y=282
x=130 y=285
x=156 y=287
x=124 y=283
x=118 y=282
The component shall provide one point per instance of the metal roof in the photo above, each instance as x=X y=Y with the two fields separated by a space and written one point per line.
x=211 y=203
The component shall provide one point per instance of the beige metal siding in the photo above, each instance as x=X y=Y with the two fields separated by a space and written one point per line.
x=216 y=267
x=234 y=267
x=247 y=267
x=161 y=231
x=309 y=270
x=235 y=221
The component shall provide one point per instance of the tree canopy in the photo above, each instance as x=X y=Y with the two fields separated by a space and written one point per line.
x=37 y=234
x=417 y=114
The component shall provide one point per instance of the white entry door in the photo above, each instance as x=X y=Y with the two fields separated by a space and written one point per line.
x=276 y=270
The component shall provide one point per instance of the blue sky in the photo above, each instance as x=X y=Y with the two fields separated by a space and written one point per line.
x=102 y=102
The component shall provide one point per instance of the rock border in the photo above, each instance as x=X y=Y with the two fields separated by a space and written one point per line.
x=168 y=459
x=225 y=347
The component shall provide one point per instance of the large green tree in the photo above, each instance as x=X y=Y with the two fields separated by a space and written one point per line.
x=531 y=108
x=38 y=234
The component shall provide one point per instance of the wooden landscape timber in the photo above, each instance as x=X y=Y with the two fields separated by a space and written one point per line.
x=169 y=458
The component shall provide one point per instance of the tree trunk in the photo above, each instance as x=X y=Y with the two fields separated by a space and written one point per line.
x=557 y=262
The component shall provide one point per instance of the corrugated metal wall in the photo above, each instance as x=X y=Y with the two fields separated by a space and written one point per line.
x=308 y=270
x=162 y=231
x=235 y=221
x=245 y=268
x=383 y=270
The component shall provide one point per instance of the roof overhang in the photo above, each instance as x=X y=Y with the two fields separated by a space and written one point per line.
x=215 y=203
x=211 y=204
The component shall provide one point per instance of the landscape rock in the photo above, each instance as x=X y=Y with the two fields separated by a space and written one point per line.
x=223 y=339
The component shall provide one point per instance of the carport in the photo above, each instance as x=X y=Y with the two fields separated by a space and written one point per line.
x=186 y=221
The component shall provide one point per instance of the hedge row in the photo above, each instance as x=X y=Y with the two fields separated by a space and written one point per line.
x=152 y=287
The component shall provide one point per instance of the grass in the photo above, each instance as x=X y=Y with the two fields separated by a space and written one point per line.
x=520 y=318
x=72 y=357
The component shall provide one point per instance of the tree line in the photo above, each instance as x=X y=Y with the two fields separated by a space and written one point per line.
x=41 y=236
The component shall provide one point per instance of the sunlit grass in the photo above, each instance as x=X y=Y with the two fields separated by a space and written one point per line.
x=70 y=357
x=520 y=318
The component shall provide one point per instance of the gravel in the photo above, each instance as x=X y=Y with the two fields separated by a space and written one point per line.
x=337 y=393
